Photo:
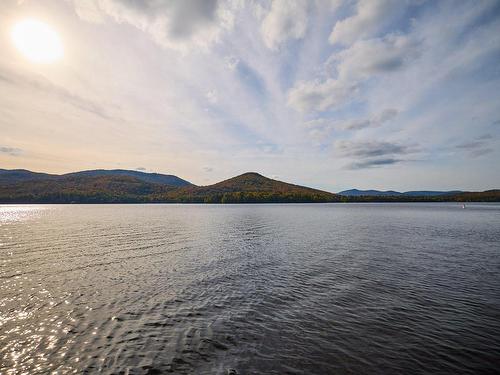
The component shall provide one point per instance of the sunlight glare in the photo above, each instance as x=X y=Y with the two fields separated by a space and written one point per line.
x=37 y=41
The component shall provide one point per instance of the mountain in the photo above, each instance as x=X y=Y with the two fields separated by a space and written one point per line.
x=8 y=176
x=251 y=187
x=367 y=193
x=392 y=193
x=100 y=187
x=19 y=175
x=155 y=178
x=122 y=186
x=81 y=189
x=481 y=196
x=430 y=193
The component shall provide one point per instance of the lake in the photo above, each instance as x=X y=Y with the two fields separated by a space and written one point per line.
x=250 y=289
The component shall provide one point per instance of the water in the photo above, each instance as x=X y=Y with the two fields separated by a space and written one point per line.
x=250 y=289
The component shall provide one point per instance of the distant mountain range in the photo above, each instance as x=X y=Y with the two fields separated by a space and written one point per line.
x=129 y=186
x=114 y=186
x=19 y=175
x=392 y=193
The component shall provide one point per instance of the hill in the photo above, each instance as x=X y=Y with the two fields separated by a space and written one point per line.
x=82 y=189
x=251 y=187
x=430 y=193
x=122 y=186
x=19 y=175
x=392 y=193
x=12 y=176
x=366 y=193
x=116 y=186
x=156 y=178
x=484 y=196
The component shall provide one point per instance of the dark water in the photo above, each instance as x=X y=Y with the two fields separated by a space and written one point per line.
x=258 y=289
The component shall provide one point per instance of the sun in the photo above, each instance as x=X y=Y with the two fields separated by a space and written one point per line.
x=37 y=41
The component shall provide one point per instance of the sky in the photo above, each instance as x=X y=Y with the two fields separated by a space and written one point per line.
x=378 y=94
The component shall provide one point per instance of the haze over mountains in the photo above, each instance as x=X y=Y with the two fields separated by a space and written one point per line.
x=130 y=186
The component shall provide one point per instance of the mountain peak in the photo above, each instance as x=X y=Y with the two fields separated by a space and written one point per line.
x=250 y=174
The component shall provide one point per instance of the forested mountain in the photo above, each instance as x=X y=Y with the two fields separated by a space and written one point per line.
x=17 y=175
x=251 y=188
x=122 y=186
x=101 y=187
x=474 y=196
x=10 y=176
x=156 y=178
x=366 y=193
x=81 y=189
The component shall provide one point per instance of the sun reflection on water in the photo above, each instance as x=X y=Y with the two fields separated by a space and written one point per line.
x=14 y=213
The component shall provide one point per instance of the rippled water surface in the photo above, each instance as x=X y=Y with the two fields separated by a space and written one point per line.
x=250 y=289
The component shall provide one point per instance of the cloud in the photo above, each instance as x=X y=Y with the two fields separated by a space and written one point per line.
x=321 y=128
x=320 y=96
x=141 y=169
x=285 y=20
x=480 y=152
x=12 y=151
x=41 y=84
x=208 y=169
x=477 y=147
x=485 y=137
x=171 y=24
x=379 y=119
x=362 y=61
x=251 y=78
x=371 y=163
x=365 y=149
x=211 y=96
x=370 y=16
x=268 y=148
x=231 y=62
x=367 y=58
x=369 y=154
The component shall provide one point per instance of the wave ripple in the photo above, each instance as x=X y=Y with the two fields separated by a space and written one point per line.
x=250 y=289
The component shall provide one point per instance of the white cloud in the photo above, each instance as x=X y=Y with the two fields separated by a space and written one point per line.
x=362 y=61
x=285 y=20
x=89 y=10
x=379 y=119
x=211 y=96
x=173 y=24
x=370 y=16
x=375 y=56
x=319 y=96
x=231 y=62
x=321 y=128
x=36 y=83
